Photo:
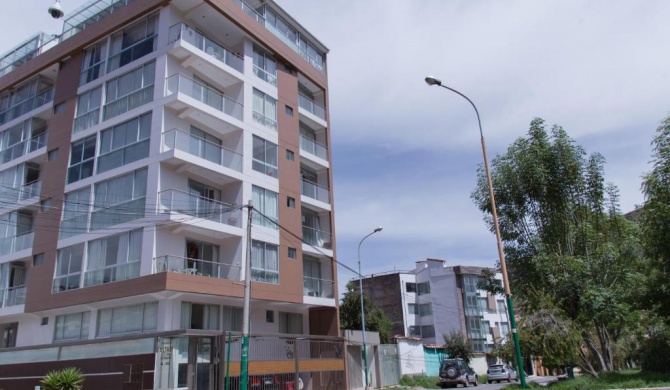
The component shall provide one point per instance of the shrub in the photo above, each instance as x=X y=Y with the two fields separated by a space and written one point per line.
x=655 y=356
x=70 y=378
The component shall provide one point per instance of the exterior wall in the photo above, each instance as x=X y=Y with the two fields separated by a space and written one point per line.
x=446 y=302
x=386 y=293
x=412 y=361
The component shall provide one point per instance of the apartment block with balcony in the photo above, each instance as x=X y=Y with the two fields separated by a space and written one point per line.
x=129 y=145
x=435 y=299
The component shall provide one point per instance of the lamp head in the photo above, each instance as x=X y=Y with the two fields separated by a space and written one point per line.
x=430 y=80
x=379 y=229
x=56 y=11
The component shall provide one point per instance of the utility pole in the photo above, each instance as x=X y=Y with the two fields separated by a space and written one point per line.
x=246 y=312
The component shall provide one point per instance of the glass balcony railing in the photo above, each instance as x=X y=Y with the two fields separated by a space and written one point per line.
x=16 y=243
x=188 y=34
x=24 y=147
x=179 y=83
x=13 y=296
x=192 y=144
x=112 y=273
x=316 y=237
x=313 y=147
x=315 y=191
x=311 y=106
x=265 y=76
x=26 y=51
x=314 y=287
x=251 y=11
x=89 y=14
x=26 y=106
x=200 y=207
x=30 y=190
x=199 y=267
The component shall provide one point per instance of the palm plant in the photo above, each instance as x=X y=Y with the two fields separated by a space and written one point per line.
x=70 y=378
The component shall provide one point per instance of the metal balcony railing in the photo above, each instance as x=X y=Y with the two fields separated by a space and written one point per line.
x=316 y=237
x=170 y=263
x=174 y=200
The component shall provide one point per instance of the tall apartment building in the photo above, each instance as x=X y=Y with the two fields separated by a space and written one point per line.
x=433 y=300
x=129 y=145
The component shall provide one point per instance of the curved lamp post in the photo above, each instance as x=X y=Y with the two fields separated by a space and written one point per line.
x=430 y=80
x=360 y=285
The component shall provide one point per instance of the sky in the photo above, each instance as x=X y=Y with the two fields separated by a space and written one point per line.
x=405 y=154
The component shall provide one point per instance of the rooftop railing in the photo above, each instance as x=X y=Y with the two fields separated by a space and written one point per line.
x=89 y=14
x=26 y=51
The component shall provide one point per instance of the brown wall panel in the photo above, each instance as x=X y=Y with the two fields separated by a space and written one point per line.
x=324 y=321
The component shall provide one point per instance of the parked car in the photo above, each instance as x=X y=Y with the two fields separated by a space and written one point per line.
x=456 y=371
x=501 y=372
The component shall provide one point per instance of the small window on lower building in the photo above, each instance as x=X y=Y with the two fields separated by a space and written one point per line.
x=45 y=205
x=270 y=316
x=52 y=154
x=198 y=316
x=8 y=334
x=288 y=110
x=290 y=323
x=290 y=155
x=292 y=253
x=38 y=259
x=59 y=107
x=290 y=202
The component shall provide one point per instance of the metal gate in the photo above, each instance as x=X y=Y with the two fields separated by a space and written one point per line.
x=389 y=364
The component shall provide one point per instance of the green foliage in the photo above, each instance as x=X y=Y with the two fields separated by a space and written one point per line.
x=626 y=379
x=574 y=262
x=457 y=346
x=427 y=382
x=375 y=319
x=656 y=353
x=70 y=378
x=654 y=219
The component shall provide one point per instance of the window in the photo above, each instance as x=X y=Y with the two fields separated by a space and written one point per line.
x=470 y=283
x=290 y=323
x=415 y=331
x=425 y=309
x=288 y=110
x=81 y=159
x=265 y=66
x=412 y=308
x=88 y=109
x=22 y=138
x=427 y=331
x=38 y=259
x=127 y=319
x=199 y=316
x=45 y=321
x=265 y=157
x=267 y=204
x=423 y=288
x=292 y=253
x=264 y=262
x=72 y=326
x=91 y=64
x=114 y=258
x=264 y=109
x=133 y=42
x=290 y=202
x=8 y=332
x=290 y=155
x=232 y=318
x=68 y=268
x=486 y=328
x=75 y=213
x=270 y=316
x=504 y=329
x=124 y=143
x=482 y=302
x=52 y=154
x=59 y=107
x=130 y=90
x=410 y=287
x=501 y=306
x=45 y=204
x=120 y=199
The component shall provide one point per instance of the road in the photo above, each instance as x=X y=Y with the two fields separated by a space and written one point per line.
x=497 y=386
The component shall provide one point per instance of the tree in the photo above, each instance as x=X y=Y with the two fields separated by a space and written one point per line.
x=457 y=346
x=654 y=219
x=569 y=251
x=70 y=378
x=375 y=319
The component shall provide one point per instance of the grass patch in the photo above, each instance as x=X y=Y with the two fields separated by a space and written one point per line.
x=627 y=379
x=428 y=382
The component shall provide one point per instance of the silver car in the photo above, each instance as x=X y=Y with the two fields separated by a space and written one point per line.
x=501 y=372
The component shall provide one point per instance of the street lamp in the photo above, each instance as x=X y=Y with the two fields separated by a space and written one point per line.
x=360 y=285
x=430 y=80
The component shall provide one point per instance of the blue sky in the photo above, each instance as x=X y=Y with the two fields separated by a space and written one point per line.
x=405 y=154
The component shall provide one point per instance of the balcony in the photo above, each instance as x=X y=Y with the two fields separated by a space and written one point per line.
x=198 y=267
x=30 y=190
x=316 y=237
x=313 y=147
x=182 y=202
x=313 y=287
x=24 y=147
x=26 y=106
x=203 y=104
x=311 y=106
x=201 y=53
x=112 y=273
x=315 y=191
x=13 y=296
x=16 y=243
x=182 y=140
